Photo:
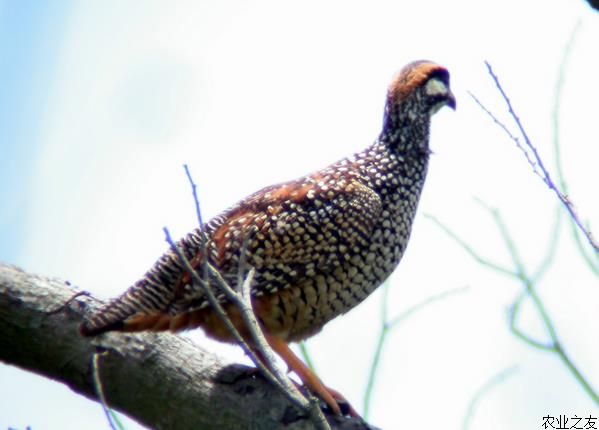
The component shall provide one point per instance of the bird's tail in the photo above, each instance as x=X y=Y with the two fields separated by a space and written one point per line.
x=149 y=303
x=146 y=301
x=140 y=302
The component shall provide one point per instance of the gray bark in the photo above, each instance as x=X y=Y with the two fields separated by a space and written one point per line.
x=161 y=380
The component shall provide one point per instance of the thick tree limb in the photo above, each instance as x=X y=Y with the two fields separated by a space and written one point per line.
x=161 y=380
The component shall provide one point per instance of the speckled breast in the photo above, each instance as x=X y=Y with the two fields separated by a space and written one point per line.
x=354 y=253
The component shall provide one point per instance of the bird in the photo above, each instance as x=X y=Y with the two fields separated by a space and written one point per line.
x=319 y=244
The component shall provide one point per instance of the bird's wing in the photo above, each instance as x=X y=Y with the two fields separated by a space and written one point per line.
x=297 y=230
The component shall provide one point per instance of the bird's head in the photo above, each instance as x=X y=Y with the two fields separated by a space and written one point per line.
x=421 y=87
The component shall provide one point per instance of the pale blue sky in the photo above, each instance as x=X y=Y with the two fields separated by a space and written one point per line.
x=31 y=37
x=101 y=104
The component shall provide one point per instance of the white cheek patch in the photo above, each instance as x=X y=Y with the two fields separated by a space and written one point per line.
x=435 y=87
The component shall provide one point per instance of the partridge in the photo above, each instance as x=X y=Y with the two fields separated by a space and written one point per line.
x=319 y=244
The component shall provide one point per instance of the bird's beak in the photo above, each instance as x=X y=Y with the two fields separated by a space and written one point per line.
x=451 y=100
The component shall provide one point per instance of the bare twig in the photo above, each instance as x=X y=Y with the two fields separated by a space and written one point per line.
x=194 y=191
x=552 y=247
x=306 y=356
x=513 y=315
x=206 y=269
x=388 y=325
x=535 y=160
x=278 y=377
x=507 y=131
x=482 y=391
x=216 y=306
x=111 y=417
x=556 y=115
x=312 y=405
x=428 y=301
x=383 y=332
x=557 y=102
x=242 y=299
x=481 y=260
x=521 y=274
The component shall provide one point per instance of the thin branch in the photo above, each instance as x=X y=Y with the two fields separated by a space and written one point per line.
x=374 y=367
x=111 y=417
x=513 y=317
x=507 y=131
x=279 y=379
x=303 y=347
x=520 y=271
x=557 y=102
x=194 y=191
x=535 y=160
x=556 y=115
x=482 y=391
x=216 y=306
x=311 y=405
x=593 y=265
x=384 y=301
x=521 y=275
x=557 y=348
x=577 y=375
x=208 y=268
x=475 y=255
x=550 y=255
x=566 y=203
x=428 y=301
x=386 y=328
x=242 y=300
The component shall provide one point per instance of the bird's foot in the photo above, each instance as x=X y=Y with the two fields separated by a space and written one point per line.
x=335 y=401
x=344 y=406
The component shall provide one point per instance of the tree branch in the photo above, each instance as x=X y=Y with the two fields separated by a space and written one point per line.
x=533 y=158
x=242 y=299
x=161 y=380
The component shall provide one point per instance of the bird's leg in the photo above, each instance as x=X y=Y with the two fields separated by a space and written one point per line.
x=310 y=380
x=308 y=377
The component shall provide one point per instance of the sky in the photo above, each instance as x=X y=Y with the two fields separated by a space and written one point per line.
x=102 y=103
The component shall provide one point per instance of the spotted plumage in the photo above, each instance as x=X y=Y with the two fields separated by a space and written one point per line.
x=319 y=244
